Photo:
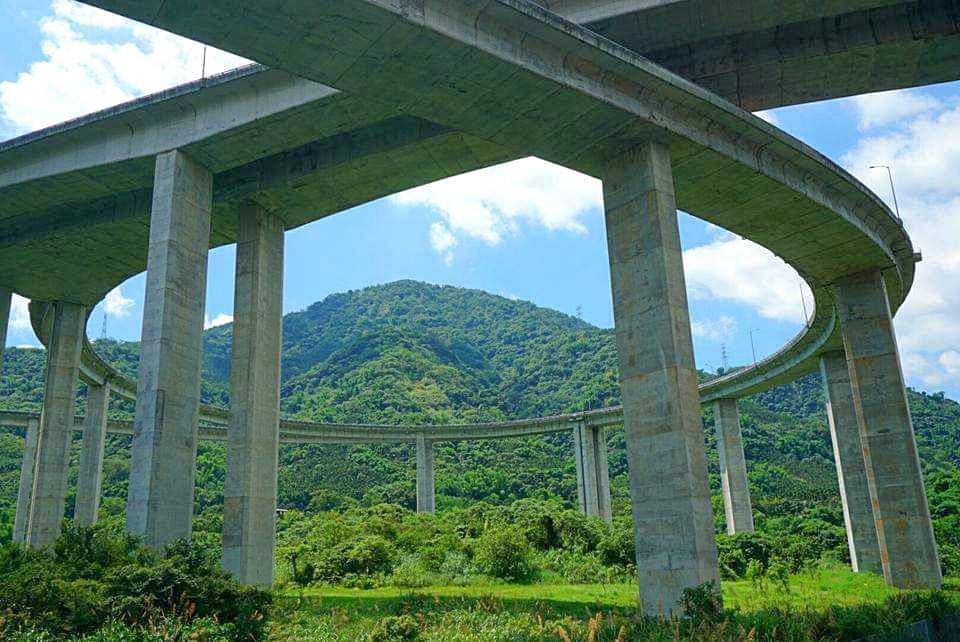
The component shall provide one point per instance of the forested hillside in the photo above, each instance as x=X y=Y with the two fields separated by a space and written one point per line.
x=410 y=352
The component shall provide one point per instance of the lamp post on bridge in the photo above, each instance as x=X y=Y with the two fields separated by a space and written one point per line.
x=753 y=348
x=893 y=190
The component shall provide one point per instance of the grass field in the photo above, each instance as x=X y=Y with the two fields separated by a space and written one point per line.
x=826 y=602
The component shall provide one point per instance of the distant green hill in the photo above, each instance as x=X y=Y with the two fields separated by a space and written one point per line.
x=410 y=352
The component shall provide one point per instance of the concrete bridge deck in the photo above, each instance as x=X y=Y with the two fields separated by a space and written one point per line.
x=760 y=54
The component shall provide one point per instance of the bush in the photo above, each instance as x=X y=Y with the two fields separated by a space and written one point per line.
x=616 y=546
x=577 y=532
x=411 y=573
x=184 y=582
x=504 y=553
x=535 y=521
x=703 y=603
x=395 y=628
x=92 y=577
x=738 y=551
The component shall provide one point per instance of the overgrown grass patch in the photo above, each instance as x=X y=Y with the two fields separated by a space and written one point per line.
x=827 y=604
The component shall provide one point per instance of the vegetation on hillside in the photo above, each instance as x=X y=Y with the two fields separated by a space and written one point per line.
x=409 y=352
x=414 y=353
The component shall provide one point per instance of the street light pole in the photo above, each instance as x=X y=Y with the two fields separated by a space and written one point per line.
x=893 y=190
x=753 y=348
x=803 y=302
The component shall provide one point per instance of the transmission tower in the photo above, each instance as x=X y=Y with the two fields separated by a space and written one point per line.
x=723 y=357
x=103 y=328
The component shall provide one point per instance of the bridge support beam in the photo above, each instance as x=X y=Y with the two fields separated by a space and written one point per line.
x=21 y=522
x=672 y=514
x=894 y=477
x=851 y=471
x=90 y=476
x=593 y=475
x=162 y=466
x=250 y=491
x=426 y=501
x=56 y=423
x=733 y=467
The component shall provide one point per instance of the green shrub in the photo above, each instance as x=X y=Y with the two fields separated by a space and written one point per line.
x=92 y=577
x=617 y=546
x=411 y=573
x=505 y=553
x=184 y=582
x=577 y=532
x=738 y=551
x=395 y=628
x=703 y=603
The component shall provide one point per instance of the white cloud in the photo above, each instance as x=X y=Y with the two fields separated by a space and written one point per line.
x=93 y=59
x=950 y=361
x=741 y=271
x=442 y=241
x=117 y=305
x=490 y=203
x=887 y=107
x=719 y=329
x=217 y=321
x=923 y=151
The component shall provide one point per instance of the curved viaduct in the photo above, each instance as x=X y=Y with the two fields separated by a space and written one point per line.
x=364 y=98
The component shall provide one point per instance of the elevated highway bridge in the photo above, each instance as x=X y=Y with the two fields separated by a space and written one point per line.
x=365 y=98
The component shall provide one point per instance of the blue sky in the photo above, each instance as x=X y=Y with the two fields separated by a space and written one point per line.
x=530 y=231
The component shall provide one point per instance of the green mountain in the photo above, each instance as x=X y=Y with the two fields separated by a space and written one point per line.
x=409 y=352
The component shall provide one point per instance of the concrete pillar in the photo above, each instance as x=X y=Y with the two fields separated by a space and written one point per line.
x=90 y=476
x=851 y=472
x=6 y=296
x=425 y=472
x=162 y=465
x=593 y=475
x=21 y=522
x=250 y=491
x=56 y=423
x=733 y=467
x=894 y=478
x=670 y=493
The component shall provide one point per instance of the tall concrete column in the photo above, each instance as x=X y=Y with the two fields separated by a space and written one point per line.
x=90 y=476
x=21 y=522
x=425 y=492
x=733 y=467
x=593 y=475
x=851 y=471
x=162 y=464
x=6 y=296
x=670 y=493
x=56 y=423
x=250 y=492
x=894 y=477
